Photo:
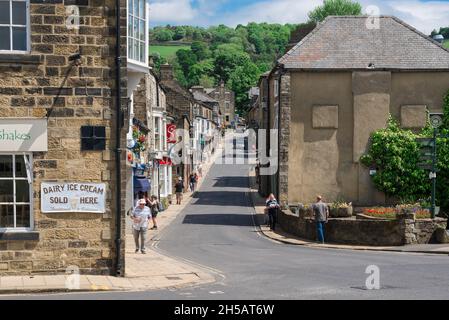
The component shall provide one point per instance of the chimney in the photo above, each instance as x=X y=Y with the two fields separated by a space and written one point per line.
x=166 y=72
x=199 y=89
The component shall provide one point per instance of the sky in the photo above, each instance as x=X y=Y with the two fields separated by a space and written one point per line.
x=424 y=15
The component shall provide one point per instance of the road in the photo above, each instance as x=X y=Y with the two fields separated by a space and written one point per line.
x=217 y=231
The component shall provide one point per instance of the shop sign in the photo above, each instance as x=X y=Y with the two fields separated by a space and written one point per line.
x=171 y=133
x=23 y=135
x=73 y=197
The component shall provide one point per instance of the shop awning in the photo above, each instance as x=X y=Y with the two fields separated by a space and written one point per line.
x=141 y=184
x=166 y=162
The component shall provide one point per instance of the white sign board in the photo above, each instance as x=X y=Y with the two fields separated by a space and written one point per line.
x=23 y=135
x=73 y=197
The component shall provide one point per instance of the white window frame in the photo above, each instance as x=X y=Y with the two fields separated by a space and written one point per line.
x=129 y=32
x=29 y=178
x=11 y=25
x=161 y=134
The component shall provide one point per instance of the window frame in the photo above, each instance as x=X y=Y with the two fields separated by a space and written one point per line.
x=31 y=193
x=130 y=33
x=11 y=25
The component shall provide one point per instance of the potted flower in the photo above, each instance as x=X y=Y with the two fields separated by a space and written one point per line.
x=340 y=209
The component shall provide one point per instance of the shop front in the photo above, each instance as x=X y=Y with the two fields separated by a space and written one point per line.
x=19 y=139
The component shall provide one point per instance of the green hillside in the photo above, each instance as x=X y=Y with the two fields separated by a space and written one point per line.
x=167 y=51
x=446 y=44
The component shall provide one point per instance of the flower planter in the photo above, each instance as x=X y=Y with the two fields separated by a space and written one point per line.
x=305 y=213
x=341 y=212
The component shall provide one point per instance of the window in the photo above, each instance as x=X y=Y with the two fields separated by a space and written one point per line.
x=158 y=133
x=93 y=138
x=14 y=26
x=137 y=30
x=227 y=118
x=15 y=192
x=228 y=105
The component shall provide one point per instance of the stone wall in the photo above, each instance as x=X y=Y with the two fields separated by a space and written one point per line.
x=373 y=232
x=44 y=84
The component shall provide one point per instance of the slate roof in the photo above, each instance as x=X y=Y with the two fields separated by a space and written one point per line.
x=203 y=97
x=345 y=42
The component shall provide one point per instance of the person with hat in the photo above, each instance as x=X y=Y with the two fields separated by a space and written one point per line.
x=141 y=216
x=321 y=211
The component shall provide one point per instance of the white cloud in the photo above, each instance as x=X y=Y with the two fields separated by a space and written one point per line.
x=274 y=11
x=424 y=16
x=172 y=11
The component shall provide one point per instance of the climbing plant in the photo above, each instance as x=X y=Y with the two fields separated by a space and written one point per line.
x=394 y=152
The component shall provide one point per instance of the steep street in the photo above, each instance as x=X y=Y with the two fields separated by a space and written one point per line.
x=216 y=230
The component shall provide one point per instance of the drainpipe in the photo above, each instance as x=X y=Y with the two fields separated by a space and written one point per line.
x=118 y=151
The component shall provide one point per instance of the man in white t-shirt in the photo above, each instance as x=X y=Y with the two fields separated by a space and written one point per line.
x=141 y=216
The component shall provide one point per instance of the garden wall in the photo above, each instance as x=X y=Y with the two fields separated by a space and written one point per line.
x=370 y=232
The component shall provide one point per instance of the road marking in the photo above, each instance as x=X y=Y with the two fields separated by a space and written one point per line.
x=216 y=292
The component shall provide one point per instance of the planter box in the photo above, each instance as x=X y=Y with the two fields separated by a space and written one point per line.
x=341 y=212
x=305 y=213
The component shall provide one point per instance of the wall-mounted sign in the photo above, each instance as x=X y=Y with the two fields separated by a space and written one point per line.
x=73 y=197
x=23 y=135
x=171 y=133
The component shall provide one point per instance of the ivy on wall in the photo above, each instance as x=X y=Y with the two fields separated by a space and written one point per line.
x=394 y=153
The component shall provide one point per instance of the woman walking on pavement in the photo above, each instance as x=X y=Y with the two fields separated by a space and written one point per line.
x=272 y=207
x=153 y=203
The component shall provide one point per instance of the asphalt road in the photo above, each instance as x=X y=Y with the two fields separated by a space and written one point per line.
x=217 y=230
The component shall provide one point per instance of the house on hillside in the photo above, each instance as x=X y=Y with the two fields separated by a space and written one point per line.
x=226 y=100
x=333 y=89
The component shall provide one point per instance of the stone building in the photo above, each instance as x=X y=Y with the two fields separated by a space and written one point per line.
x=226 y=100
x=338 y=85
x=180 y=107
x=60 y=199
x=150 y=106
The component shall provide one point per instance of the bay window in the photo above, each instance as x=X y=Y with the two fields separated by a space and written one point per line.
x=137 y=31
x=16 y=192
x=14 y=26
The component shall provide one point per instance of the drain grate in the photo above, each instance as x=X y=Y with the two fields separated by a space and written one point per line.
x=173 y=278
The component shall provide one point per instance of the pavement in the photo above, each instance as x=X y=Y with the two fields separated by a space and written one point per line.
x=151 y=271
x=283 y=237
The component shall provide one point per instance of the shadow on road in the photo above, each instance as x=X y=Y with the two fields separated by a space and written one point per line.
x=220 y=198
x=241 y=220
x=231 y=182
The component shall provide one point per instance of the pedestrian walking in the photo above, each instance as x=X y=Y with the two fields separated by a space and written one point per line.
x=192 y=182
x=321 y=211
x=154 y=205
x=179 y=189
x=272 y=206
x=141 y=215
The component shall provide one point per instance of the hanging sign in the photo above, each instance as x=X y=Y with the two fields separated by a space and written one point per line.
x=73 y=197
x=171 y=133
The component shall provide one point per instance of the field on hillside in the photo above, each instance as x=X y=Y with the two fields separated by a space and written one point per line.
x=167 y=51
x=446 y=44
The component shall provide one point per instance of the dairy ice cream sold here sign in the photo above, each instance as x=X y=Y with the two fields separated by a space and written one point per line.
x=73 y=197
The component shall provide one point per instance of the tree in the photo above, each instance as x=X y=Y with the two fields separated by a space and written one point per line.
x=179 y=33
x=241 y=79
x=335 y=8
x=201 y=50
x=186 y=59
x=163 y=34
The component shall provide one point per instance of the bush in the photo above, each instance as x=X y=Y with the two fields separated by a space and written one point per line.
x=394 y=152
